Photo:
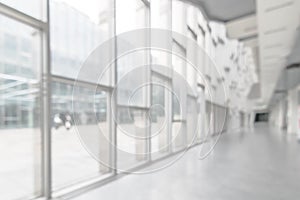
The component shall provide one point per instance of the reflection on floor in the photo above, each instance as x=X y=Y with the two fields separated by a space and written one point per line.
x=251 y=164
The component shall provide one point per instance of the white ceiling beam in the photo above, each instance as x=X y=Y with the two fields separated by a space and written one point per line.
x=243 y=28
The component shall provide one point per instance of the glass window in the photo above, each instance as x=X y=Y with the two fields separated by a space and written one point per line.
x=80 y=125
x=178 y=135
x=192 y=52
x=178 y=58
x=160 y=117
x=132 y=115
x=131 y=15
x=20 y=134
x=192 y=120
x=34 y=8
x=10 y=43
x=79 y=31
x=132 y=87
x=180 y=88
x=132 y=58
x=161 y=18
x=132 y=136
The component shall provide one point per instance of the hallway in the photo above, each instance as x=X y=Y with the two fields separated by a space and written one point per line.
x=260 y=164
x=125 y=99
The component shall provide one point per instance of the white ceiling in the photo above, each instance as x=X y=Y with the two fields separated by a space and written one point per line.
x=226 y=10
x=277 y=30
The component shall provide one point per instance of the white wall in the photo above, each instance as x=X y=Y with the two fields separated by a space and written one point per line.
x=286 y=112
x=278 y=114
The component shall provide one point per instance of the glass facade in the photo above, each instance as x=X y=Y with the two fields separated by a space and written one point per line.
x=160 y=116
x=77 y=28
x=129 y=126
x=34 y=8
x=20 y=134
x=86 y=113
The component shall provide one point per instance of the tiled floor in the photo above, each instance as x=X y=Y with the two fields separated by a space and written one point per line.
x=260 y=164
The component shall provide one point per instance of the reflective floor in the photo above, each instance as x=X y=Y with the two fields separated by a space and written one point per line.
x=261 y=163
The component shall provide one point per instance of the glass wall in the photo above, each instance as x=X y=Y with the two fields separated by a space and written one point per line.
x=132 y=96
x=79 y=112
x=132 y=137
x=160 y=116
x=20 y=133
x=192 y=120
x=147 y=106
x=179 y=98
x=80 y=124
x=161 y=18
x=34 y=8
x=77 y=29
x=161 y=79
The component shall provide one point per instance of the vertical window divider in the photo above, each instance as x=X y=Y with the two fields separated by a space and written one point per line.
x=46 y=109
x=114 y=102
x=150 y=90
x=171 y=82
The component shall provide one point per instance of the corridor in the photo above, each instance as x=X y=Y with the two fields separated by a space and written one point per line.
x=260 y=164
x=127 y=100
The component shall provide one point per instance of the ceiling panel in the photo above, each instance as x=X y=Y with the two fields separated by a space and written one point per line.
x=277 y=22
x=226 y=10
x=243 y=28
